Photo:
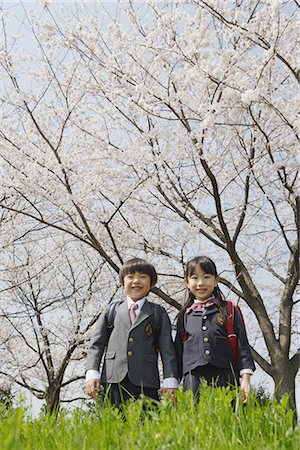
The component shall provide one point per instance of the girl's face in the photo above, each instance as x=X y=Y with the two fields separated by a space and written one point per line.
x=201 y=284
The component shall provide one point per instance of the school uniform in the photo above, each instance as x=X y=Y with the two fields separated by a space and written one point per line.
x=205 y=351
x=130 y=355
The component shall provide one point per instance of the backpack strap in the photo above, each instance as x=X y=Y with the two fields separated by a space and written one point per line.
x=230 y=318
x=157 y=322
x=231 y=335
x=181 y=319
x=111 y=314
x=157 y=317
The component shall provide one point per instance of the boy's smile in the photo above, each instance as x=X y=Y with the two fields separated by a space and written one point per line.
x=137 y=285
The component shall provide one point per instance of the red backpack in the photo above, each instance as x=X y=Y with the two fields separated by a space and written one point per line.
x=231 y=335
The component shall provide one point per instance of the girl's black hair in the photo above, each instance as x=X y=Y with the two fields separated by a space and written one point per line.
x=208 y=266
x=138 y=265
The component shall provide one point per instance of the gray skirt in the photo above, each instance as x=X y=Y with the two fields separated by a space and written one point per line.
x=213 y=375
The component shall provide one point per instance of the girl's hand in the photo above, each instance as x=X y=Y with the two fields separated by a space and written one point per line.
x=245 y=387
x=92 y=387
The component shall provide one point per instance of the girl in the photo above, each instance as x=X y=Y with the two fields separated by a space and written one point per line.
x=201 y=340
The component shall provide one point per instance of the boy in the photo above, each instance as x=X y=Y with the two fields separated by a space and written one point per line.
x=130 y=362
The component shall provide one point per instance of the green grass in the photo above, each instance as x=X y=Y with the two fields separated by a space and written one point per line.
x=212 y=424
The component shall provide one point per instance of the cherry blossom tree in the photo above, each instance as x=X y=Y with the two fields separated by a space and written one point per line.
x=46 y=314
x=168 y=130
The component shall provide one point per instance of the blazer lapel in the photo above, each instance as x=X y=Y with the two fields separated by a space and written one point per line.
x=123 y=313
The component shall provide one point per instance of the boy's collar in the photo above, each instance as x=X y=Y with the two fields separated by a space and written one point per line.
x=138 y=302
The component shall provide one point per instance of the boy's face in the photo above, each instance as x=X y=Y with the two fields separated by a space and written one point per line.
x=137 y=285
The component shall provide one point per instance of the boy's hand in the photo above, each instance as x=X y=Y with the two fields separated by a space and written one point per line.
x=169 y=392
x=245 y=387
x=92 y=387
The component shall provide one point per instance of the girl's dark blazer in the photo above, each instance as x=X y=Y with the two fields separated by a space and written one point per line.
x=132 y=349
x=207 y=342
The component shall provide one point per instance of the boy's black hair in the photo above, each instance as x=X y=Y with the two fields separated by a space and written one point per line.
x=138 y=265
x=208 y=266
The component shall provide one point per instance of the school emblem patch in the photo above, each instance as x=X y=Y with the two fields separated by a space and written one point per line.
x=220 y=318
x=149 y=329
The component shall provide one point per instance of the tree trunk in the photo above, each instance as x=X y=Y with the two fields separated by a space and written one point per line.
x=53 y=398
x=284 y=373
x=285 y=383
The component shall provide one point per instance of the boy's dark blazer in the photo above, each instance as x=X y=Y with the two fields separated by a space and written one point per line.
x=131 y=349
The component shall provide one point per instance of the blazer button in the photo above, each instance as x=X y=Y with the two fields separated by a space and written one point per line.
x=129 y=353
x=204 y=327
x=207 y=352
x=205 y=339
x=130 y=339
x=204 y=317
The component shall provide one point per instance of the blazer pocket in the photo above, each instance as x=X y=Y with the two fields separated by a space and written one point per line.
x=150 y=358
x=109 y=363
x=110 y=355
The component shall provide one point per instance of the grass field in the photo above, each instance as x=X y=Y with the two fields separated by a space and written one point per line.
x=213 y=424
